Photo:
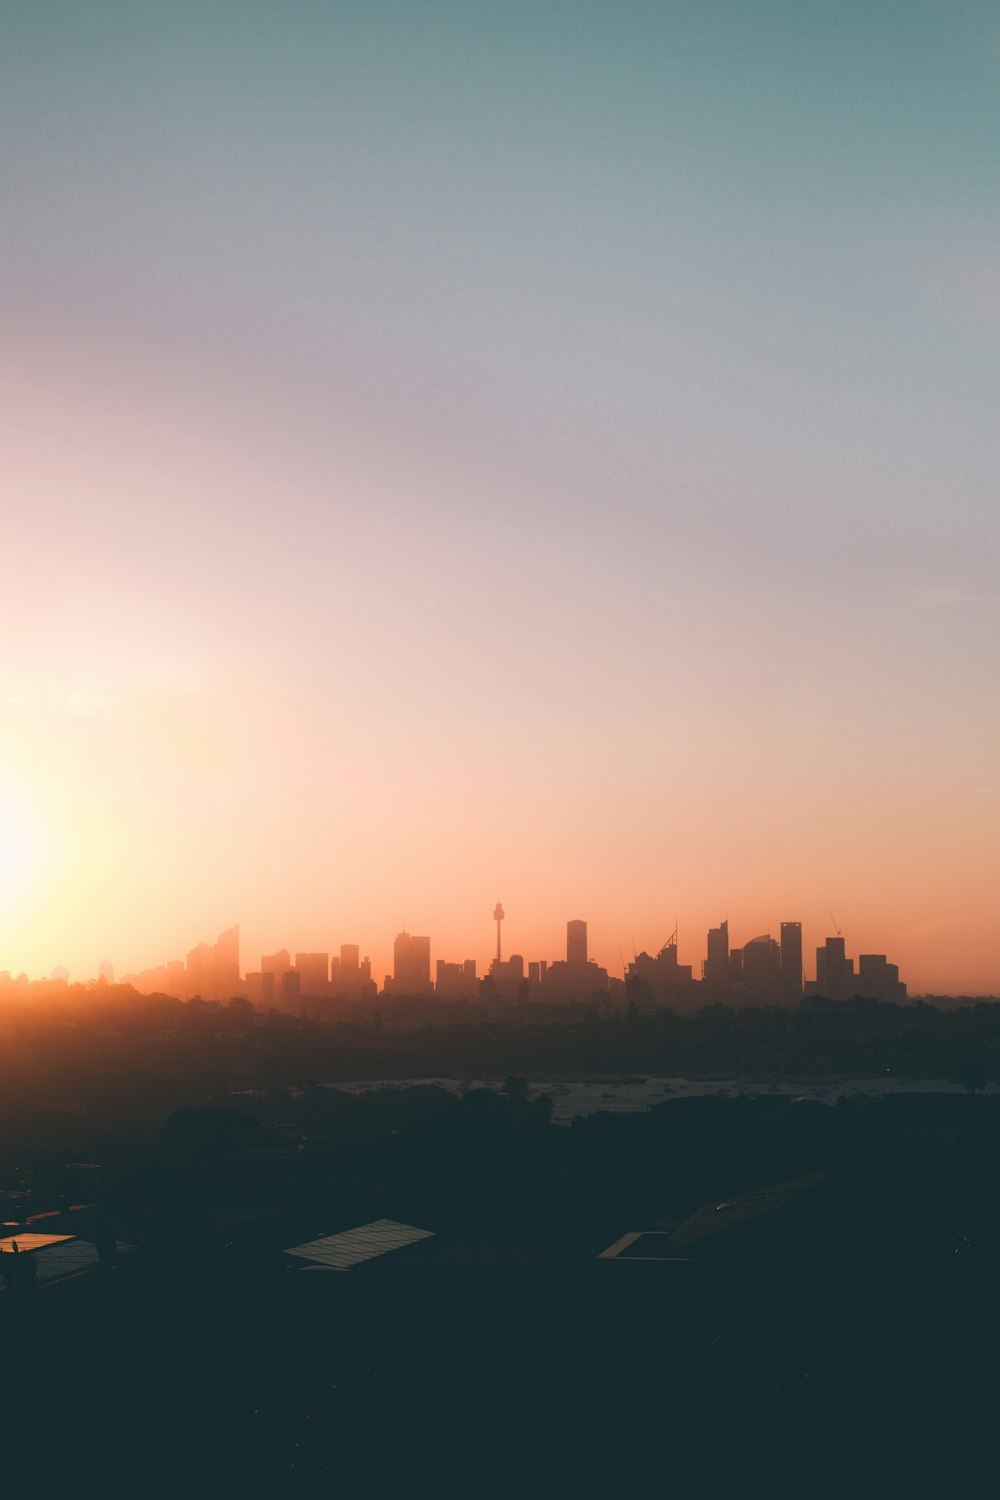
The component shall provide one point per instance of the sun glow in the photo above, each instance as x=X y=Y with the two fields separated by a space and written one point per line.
x=25 y=842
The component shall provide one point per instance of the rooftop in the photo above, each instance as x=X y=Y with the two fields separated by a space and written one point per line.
x=339 y=1252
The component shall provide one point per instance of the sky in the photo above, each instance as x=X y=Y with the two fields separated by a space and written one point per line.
x=453 y=450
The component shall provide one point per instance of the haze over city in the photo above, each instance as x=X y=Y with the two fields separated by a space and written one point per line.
x=547 y=450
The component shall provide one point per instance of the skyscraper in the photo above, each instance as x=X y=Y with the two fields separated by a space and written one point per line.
x=717 y=963
x=834 y=970
x=277 y=964
x=576 y=944
x=791 y=960
x=762 y=967
x=201 y=972
x=411 y=965
x=226 y=964
x=313 y=970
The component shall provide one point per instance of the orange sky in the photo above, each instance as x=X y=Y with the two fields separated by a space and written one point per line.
x=330 y=730
x=516 y=467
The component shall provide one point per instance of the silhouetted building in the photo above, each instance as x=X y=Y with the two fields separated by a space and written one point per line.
x=411 y=965
x=106 y=971
x=717 y=975
x=456 y=981
x=60 y=973
x=201 y=972
x=661 y=980
x=879 y=980
x=791 y=960
x=226 y=964
x=213 y=969
x=505 y=982
x=351 y=975
x=834 y=971
x=276 y=964
x=576 y=943
x=313 y=969
x=260 y=990
x=761 y=968
x=290 y=991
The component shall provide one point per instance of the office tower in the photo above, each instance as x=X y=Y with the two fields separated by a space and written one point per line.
x=660 y=980
x=106 y=971
x=456 y=981
x=290 y=989
x=791 y=960
x=313 y=969
x=201 y=972
x=576 y=944
x=260 y=990
x=762 y=967
x=834 y=971
x=879 y=980
x=348 y=975
x=717 y=963
x=277 y=964
x=411 y=965
x=736 y=965
x=226 y=964
x=872 y=976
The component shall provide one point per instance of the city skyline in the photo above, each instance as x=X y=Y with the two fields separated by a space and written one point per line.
x=530 y=939
x=538 y=448
x=758 y=965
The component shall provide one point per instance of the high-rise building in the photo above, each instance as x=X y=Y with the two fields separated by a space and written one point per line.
x=226 y=964
x=834 y=971
x=345 y=973
x=878 y=979
x=201 y=972
x=313 y=970
x=576 y=944
x=290 y=990
x=456 y=981
x=277 y=964
x=660 y=980
x=260 y=990
x=106 y=971
x=411 y=965
x=717 y=963
x=791 y=960
x=761 y=968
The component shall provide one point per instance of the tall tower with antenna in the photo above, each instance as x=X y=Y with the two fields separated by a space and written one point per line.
x=498 y=918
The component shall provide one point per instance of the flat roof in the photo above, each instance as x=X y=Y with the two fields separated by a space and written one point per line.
x=642 y=1244
x=339 y=1252
x=28 y=1242
x=57 y=1255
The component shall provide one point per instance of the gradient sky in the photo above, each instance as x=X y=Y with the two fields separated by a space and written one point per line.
x=453 y=449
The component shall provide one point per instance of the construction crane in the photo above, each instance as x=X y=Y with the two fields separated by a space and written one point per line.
x=833 y=919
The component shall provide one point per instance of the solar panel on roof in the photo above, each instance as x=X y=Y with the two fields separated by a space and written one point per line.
x=341 y=1251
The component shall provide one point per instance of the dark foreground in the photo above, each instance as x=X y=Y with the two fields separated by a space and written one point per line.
x=810 y=1306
